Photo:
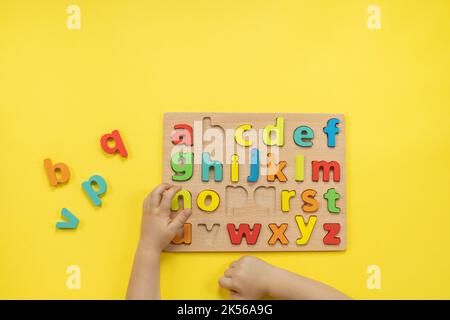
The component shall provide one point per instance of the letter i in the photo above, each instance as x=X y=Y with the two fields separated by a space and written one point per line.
x=234 y=168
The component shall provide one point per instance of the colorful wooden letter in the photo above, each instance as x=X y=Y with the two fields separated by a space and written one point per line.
x=278 y=234
x=275 y=170
x=182 y=134
x=187 y=200
x=305 y=228
x=303 y=136
x=250 y=235
x=207 y=164
x=238 y=135
x=286 y=196
x=333 y=229
x=254 y=165
x=234 y=168
x=278 y=129
x=326 y=167
x=299 y=168
x=331 y=131
x=94 y=195
x=332 y=196
x=53 y=170
x=213 y=203
x=119 y=147
x=310 y=204
x=72 y=222
x=186 y=237
x=182 y=165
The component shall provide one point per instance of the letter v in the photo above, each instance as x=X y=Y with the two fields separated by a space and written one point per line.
x=72 y=222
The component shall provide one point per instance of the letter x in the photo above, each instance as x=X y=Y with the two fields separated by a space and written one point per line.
x=278 y=233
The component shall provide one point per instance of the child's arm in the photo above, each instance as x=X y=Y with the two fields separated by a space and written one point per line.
x=252 y=278
x=157 y=230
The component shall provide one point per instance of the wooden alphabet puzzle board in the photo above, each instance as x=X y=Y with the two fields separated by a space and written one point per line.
x=257 y=182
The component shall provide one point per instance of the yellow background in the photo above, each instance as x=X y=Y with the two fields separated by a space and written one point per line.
x=61 y=89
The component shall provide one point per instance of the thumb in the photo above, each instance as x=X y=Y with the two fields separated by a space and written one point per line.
x=180 y=219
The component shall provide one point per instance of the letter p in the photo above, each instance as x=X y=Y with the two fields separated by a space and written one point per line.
x=93 y=194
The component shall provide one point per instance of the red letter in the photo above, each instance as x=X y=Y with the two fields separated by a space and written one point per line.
x=118 y=143
x=333 y=229
x=326 y=166
x=183 y=136
x=251 y=235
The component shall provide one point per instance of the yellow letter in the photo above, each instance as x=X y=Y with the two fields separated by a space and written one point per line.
x=234 y=168
x=213 y=204
x=299 y=168
x=186 y=195
x=286 y=196
x=279 y=129
x=238 y=135
x=305 y=229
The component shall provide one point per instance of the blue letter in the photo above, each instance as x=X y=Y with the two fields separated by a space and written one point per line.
x=331 y=130
x=254 y=165
x=303 y=133
x=207 y=164
x=95 y=195
x=72 y=222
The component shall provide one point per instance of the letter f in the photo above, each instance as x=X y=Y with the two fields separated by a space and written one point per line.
x=331 y=131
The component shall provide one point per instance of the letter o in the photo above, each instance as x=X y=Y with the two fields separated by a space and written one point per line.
x=201 y=200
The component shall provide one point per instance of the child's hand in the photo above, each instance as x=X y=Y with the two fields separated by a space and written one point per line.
x=252 y=278
x=158 y=228
x=247 y=278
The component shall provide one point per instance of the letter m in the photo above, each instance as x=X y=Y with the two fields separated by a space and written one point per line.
x=326 y=167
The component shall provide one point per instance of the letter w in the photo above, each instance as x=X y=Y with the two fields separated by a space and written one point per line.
x=251 y=235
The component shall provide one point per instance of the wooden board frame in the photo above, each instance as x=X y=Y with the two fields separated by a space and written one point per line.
x=258 y=202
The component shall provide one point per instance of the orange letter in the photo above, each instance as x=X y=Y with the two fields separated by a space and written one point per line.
x=187 y=235
x=278 y=233
x=275 y=171
x=52 y=170
x=311 y=204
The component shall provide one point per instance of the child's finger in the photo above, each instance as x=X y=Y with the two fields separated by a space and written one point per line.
x=167 y=196
x=226 y=283
x=228 y=273
x=180 y=219
x=156 y=194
